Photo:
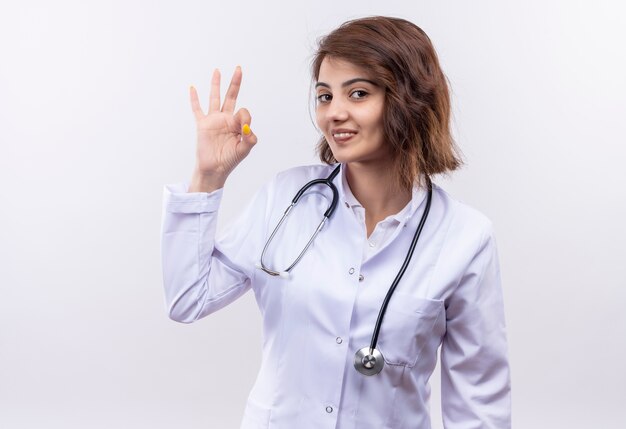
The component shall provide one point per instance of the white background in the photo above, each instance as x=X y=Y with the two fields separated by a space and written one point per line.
x=95 y=119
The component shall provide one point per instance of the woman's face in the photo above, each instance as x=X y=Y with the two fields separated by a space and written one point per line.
x=349 y=112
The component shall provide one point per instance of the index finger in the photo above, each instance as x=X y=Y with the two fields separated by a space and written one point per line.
x=233 y=91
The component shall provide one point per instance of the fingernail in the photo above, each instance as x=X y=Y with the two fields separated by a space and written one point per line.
x=246 y=129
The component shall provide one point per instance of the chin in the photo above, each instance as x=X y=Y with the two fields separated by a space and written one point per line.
x=342 y=155
x=342 y=158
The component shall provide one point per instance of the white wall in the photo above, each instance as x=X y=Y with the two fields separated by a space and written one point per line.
x=94 y=119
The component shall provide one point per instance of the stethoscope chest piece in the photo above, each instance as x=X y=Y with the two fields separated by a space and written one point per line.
x=368 y=361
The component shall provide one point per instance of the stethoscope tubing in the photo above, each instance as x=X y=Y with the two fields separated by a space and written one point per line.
x=327 y=214
x=328 y=182
x=368 y=361
x=405 y=264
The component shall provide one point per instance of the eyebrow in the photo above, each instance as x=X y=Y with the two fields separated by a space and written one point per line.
x=347 y=83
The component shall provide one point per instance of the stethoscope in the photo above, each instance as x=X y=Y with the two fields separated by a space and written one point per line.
x=368 y=360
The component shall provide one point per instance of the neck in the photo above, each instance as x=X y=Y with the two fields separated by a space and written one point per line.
x=375 y=187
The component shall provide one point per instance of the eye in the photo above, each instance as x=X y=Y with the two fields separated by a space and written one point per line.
x=324 y=98
x=358 y=94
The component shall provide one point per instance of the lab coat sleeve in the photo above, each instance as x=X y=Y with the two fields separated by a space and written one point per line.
x=202 y=274
x=475 y=379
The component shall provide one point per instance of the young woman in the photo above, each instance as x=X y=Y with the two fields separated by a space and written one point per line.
x=352 y=328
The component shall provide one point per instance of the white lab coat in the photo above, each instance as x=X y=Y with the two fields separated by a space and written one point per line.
x=315 y=321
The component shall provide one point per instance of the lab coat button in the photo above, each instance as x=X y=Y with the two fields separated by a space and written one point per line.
x=339 y=340
x=329 y=409
x=351 y=270
x=347 y=205
x=361 y=278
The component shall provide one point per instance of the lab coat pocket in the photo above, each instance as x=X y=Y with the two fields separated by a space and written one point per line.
x=408 y=325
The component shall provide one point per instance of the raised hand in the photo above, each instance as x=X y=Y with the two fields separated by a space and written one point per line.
x=224 y=137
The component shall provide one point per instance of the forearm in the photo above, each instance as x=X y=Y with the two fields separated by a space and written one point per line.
x=195 y=283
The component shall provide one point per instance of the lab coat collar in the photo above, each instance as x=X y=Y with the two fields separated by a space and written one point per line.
x=347 y=198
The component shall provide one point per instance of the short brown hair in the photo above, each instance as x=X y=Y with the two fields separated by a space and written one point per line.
x=402 y=60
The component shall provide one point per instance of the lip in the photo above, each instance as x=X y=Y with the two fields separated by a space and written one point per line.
x=342 y=139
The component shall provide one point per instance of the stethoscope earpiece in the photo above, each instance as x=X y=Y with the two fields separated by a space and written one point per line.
x=281 y=274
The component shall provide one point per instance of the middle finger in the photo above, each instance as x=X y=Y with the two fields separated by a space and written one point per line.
x=214 y=97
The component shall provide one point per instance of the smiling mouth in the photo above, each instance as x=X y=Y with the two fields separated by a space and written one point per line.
x=343 y=136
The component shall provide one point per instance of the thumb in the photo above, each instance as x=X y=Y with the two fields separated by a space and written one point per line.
x=247 y=135
x=244 y=119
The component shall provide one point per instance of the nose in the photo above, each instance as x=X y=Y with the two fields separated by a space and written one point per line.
x=337 y=110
